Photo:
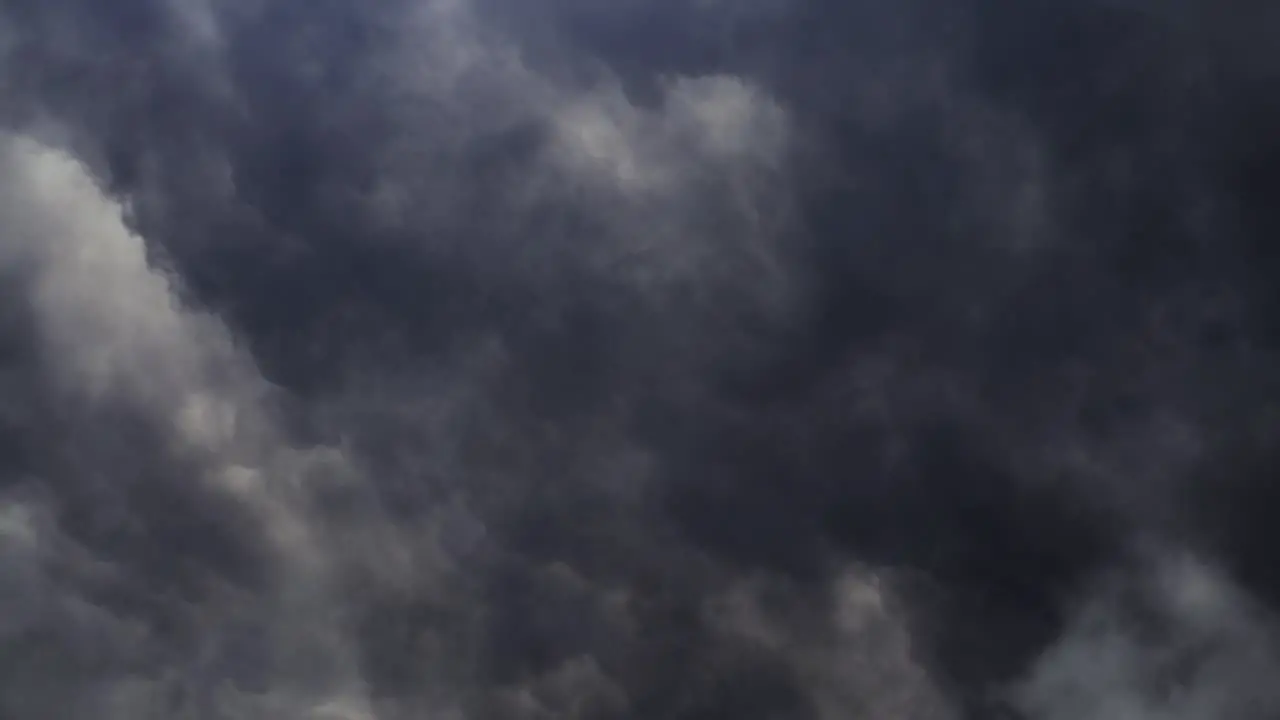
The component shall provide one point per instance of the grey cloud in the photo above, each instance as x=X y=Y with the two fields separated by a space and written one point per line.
x=113 y=330
x=478 y=359
x=1191 y=646
x=850 y=651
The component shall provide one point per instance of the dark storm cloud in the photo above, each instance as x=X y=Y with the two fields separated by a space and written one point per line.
x=482 y=359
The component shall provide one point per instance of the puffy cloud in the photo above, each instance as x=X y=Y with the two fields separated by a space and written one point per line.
x=850 y=651
x=115 y=330
x=481 y=359
x=1174 y=640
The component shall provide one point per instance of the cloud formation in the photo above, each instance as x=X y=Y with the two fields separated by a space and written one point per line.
x=1184 y=643
x=476 y=359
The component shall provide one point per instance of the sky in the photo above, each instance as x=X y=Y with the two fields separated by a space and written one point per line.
x=639 y=360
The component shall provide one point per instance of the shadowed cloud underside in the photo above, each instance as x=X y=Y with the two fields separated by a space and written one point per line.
x=683 y=359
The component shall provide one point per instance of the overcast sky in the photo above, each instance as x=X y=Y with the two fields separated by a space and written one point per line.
x=639 y=359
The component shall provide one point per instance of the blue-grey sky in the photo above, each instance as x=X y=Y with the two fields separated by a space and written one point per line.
x=666 y=360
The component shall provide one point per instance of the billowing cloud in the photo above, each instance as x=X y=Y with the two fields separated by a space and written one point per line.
x=1174 y=640
x=784 y=359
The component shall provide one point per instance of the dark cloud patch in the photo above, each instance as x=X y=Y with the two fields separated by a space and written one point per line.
x=682 y=359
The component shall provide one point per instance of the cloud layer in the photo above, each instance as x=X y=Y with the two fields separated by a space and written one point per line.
x=687 y=359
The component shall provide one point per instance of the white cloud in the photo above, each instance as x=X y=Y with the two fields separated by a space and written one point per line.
x=112 y=324
x=115 y=331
